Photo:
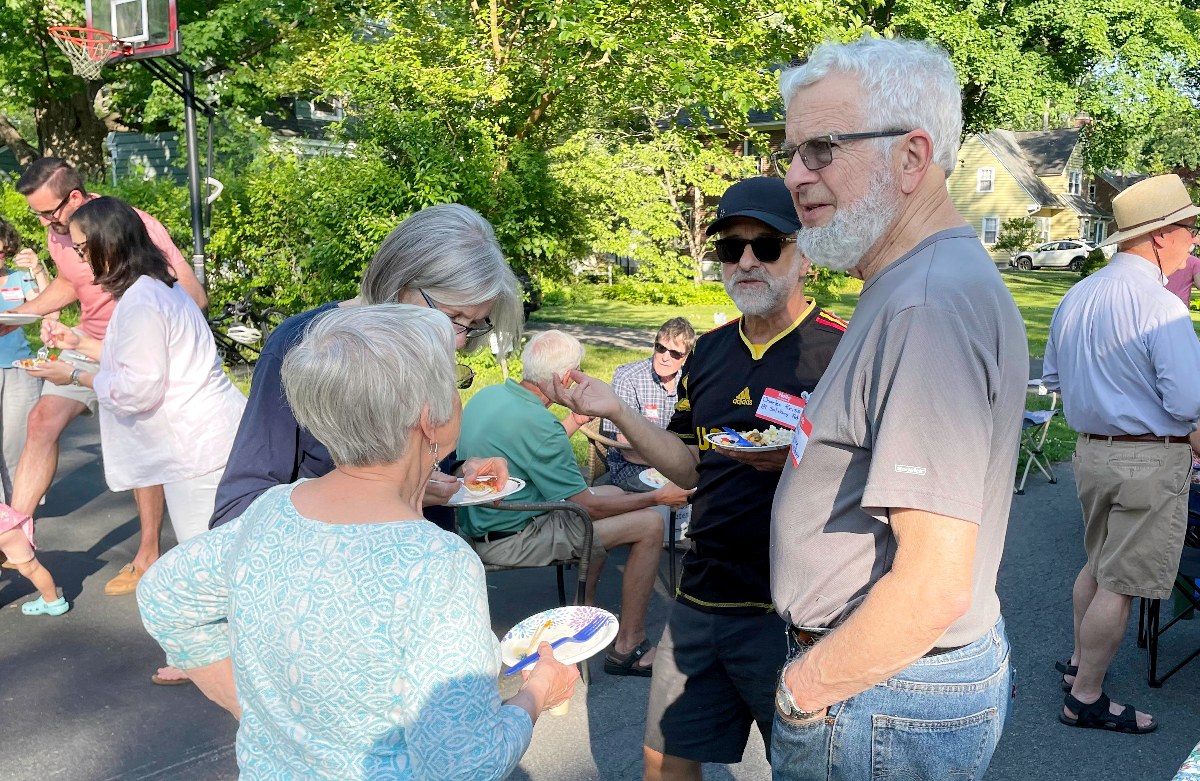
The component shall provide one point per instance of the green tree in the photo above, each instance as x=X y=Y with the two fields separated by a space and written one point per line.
x=1017 y=234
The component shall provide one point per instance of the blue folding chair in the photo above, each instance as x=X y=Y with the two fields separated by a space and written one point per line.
x=1035 y=427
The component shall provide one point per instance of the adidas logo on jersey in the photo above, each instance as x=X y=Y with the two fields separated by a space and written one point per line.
x=743 y=398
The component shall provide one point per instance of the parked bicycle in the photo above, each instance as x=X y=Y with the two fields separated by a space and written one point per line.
x=240 y=331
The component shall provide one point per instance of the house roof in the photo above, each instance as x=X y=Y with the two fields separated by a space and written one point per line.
x=1082 y=207
x=1048 y=150
x=1120 y=179
x=1003 y=144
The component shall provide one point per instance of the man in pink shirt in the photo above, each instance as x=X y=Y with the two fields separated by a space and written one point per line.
x=54 y=190
x=1182 y=281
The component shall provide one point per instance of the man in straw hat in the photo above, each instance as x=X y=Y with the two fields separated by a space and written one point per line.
x=1124 y=354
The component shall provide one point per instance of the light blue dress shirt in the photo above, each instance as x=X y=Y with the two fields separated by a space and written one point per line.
x=360 y=651
x=1123 y=353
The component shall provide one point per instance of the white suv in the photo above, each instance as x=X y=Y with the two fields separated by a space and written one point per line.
x=1067 y=253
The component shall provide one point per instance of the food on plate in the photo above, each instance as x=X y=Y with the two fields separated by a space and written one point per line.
x=481 y=485
x=29 y=363
x=772 y=436
x=654 y=477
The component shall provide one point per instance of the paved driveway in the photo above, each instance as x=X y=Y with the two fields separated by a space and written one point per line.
x=76 y=703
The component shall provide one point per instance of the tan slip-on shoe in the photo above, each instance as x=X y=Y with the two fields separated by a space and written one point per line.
x=125 y=582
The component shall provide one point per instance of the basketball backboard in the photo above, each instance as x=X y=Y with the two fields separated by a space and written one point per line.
x=149 y=27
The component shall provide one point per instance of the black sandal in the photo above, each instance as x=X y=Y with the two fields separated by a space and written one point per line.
x=1096 y=715
x=627 y=664
x=1066 y=668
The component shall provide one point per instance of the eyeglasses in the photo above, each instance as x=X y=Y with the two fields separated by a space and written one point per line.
x=661 y=348
x=816 y=153
x=80 y=247
x=471 y=331
x=464 y=376
x=1193 y=229
x=53 y=213
x=767 y=249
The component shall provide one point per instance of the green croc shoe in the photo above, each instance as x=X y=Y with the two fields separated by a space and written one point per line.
x=40 y=607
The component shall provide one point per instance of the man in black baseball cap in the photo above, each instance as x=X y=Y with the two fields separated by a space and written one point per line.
x=716 y=665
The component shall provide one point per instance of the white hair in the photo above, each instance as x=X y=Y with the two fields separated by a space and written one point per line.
x=361 y=376
x=450 y=252
x=907 y=84
x=549 y=354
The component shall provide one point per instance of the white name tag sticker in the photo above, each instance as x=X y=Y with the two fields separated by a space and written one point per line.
x=12 y=293
x=800 y=437
x=650 y=411
x=782 y=409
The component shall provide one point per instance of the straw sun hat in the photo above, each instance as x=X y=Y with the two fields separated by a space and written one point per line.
x=1149 y=205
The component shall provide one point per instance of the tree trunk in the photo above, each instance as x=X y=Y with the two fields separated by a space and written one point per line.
x=699 y=242
x=20 y=148
x=71 y=130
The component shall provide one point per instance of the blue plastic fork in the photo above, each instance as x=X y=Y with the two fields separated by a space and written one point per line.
x=738 y=438
x=583 y=635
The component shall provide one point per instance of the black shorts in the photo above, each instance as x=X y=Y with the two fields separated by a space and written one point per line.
x=714 y=675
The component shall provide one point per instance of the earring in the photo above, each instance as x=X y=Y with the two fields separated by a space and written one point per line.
x=433 y=450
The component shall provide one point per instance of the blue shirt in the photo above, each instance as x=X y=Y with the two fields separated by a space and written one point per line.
x=15 y=287
x=360 y=651
x=638 y=385
x=271 y=448
x=1123 y=352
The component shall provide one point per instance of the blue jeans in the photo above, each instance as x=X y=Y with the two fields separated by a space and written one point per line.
x=938 y=719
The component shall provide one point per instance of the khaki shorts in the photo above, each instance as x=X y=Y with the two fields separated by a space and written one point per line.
x=1134 y=497
x=553 y=536
x=84 y=395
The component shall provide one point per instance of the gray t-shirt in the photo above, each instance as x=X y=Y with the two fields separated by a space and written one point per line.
x=920 y=408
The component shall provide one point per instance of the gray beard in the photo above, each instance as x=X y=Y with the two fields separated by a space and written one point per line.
x=854 y=229
x=758 y=303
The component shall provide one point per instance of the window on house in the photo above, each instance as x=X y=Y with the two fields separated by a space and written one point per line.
x=1092 y=190
x=1074 y=182
x=1101 y=232
x=1043 y=229
x=990 y=226
x=985 y=180
x=320 y=110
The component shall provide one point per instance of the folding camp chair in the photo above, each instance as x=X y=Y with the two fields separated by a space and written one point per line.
x=1187 y=594
x=1034 y=429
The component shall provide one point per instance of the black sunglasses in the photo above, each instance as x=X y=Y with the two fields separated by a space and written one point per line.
x=464 y=376
x=80 y=248
x=816 y=153
x=767 y=249
x=661 y=348
x=1193 y=229
x=53 y=213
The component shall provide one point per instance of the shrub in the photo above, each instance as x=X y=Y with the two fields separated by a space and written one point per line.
x=1094 y=261
x=636 y=292
x=1016 y=234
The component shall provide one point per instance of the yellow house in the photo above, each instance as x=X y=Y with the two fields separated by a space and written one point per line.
x=1004 y=174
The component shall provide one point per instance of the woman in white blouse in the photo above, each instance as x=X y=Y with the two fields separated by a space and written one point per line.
x=168 y=413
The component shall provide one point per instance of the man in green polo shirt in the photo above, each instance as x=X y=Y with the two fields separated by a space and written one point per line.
x=511 y=420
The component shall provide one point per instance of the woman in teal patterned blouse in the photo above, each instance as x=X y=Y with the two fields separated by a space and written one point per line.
x=357 y=633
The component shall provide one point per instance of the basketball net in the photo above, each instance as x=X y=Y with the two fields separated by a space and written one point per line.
x=88 y=49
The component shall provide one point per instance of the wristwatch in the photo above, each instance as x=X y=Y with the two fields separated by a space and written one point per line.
x=75 y=377
x=786 y=704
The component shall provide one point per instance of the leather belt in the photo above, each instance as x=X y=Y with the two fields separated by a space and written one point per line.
x=810 y=637
x=1136 y=438
x=494 y=536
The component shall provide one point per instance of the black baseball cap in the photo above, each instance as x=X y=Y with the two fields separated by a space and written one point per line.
x=764 y=198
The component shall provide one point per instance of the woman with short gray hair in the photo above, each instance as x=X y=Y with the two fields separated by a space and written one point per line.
x=358 y=631
x=445 y=258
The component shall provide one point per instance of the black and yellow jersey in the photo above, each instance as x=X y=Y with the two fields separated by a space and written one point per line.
x=724 y=379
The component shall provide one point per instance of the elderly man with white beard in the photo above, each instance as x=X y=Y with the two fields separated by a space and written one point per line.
x=889 y=520
x=717 y=662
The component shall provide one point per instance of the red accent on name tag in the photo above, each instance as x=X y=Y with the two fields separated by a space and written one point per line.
x=800 y=439
x=782 y=409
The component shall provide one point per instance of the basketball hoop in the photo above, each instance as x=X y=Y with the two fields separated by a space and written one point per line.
x=87 y=48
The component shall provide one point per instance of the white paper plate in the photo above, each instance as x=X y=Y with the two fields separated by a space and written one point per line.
x=78 y=360
x=721 y=439
x=567 y=621
x=18 y=318
x=463 y=497
x=652 y=477
x=18 y=365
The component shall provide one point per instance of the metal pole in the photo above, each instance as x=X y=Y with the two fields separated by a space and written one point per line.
x=193 y=151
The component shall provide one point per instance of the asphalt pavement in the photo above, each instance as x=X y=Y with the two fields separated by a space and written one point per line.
x=76 y=702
